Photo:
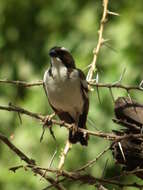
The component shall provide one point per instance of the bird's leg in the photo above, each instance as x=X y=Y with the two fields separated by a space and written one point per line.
x=75 y=125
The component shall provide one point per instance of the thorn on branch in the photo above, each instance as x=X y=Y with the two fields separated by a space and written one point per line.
x=43 y=132
x=121 y=77
x=113 y=13
x=13 y=169
x=110 y=90
x=20 y=119
x=98 y=95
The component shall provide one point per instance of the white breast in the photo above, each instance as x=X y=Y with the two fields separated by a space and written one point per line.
x=64 y=93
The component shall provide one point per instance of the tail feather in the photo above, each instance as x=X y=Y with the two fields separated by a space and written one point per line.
x=78 y=137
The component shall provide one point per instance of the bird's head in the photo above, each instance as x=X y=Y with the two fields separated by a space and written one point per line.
x=63 y=55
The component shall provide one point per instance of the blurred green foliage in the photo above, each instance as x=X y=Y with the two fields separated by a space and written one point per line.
x=27 y=30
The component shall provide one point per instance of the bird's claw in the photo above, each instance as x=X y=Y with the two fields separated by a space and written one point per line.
x=47 y=120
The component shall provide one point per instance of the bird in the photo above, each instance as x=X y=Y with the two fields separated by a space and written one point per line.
x=129 y=110
x=67 y=91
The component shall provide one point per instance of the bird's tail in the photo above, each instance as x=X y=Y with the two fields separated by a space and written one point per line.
x=78 y=137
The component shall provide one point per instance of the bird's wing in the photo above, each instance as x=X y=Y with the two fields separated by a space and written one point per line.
x=84 y=90
x=129 y=110
x=135 y=113
x=64 y=116
x=83 y=80
x=44 y=86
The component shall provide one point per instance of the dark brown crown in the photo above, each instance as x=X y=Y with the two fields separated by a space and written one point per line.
x=64 y=55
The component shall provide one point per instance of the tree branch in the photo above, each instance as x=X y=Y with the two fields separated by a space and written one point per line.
x=21 y=83
x=87 y=178
x=99 y=85
x=42 y=118
x=107 y=136
x=100 y=41
x=84 y=178
x=29 y=161
x=115 y=85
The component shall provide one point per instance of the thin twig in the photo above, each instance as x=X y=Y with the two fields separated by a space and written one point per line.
x=52 y=159
x=21 y=83
x=90 y=163
x=100 y=41
x=14 y=108
x=67 y=148
x=91 y=180
x=126 y=173
x=84 y=178
x=115 y=85
x=121 y=77
x=29 y=161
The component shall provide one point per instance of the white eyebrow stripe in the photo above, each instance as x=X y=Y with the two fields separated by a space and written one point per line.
x=63 y=48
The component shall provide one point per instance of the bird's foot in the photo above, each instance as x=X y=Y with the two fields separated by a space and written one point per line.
x=47 y=123
x=47 y=120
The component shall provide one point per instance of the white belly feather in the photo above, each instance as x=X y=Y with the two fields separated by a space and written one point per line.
x=64 y=93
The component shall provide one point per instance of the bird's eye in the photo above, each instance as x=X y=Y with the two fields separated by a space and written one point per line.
x=53 y=53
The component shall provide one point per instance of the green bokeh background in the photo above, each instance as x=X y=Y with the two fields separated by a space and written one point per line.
x=28 y=29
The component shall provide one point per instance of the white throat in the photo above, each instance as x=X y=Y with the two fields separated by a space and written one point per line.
x=56 y=61
x=59 y=70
